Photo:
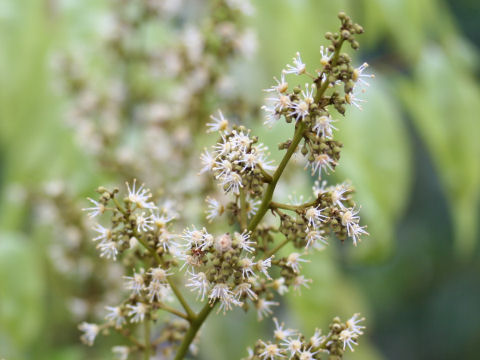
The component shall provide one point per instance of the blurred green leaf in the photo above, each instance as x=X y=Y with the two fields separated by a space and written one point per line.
x=377 y=159
x=21 y=293
x=443 y=101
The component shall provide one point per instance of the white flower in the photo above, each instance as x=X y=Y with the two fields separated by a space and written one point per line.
x=326 y=55
x=323 y=125
x=232 y=182
x=294 y=260
x=306 y=354
x=135 y=283
x=272 y=115
x=115 y=315
x=223 y=167
x=252 y=206
x=144 y=223
x=300 y=281
x=245 y=289
x=353 y=324
x=352 y=98
x=140 y=196
x=317 y=339
x=301 y=108
x=208 y=161
x=322 y=162
x=282 y=85
x=280 y=333
x=337 y=194
x=243 y=242
x=315 y=238
x=264 y=265
x=279 y=102
x=349 y=219
x=158 y=290
x=263 y=308
x=298 y=66
x=241 y=141
x=108 y=250
x=279 y=285
x=199 y=283
x=219 y=123
x=358 y=75
x=137 y=312
x=349 y=338
x=293 y=345
x=226 y=297
x=270 y=351
x=357 y=231
x=314 y=215
x=246 y=264
x=121 y=352
x=97 y=209
x=90 y=332
x=215 y=209
x=159 y=274
x=105 y=234
x=194 y=238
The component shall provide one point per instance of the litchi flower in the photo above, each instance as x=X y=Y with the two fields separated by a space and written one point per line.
x=219 y=123
x=282 y=85
x=306 y=354
x=97 y=209
x=326 y=55
x=215 y=209
x=294 y=260
x=358 y=75
x=157 y=290
x=264 y=265
x=158 y=274
x=314 y=238
x=108 y=250
x=264 y=308
x=137 y=312
x=279 y=285
x=298 y=66
x=270 y=351
x=293 y=346
x=208 y=161
x=140 y=196
x=314 y=215
x=246 y=264
x=323 y=125
x=322 y=162
x=349 y=338
x=245 y=289
x=353 y=324
x=232 y=182
x=115 y=315
x=300 y=281
x=144 y=223
x=105 y=234
x=135 y=283
x=243 y=242
x=317 y=338
x=352 y=99
x=199 y=283
x=338 y=194
x=357 y=231
x=90 y=332
x=301 y=108
x=350 y=218
x=272 y=115
x=280 y=333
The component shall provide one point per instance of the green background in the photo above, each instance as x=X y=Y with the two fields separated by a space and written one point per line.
x=413 y=155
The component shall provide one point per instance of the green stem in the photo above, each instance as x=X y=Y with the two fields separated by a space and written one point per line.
x=146 y=352
x=173 y=311
x=276 y=248
x=243 y=210
x=264 y=206
x=195 y=325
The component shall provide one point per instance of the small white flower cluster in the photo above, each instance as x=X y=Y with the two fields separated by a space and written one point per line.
x=291 y=344
x=236 y=160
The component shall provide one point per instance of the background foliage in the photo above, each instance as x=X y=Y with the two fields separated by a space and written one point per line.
x=412 y=153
